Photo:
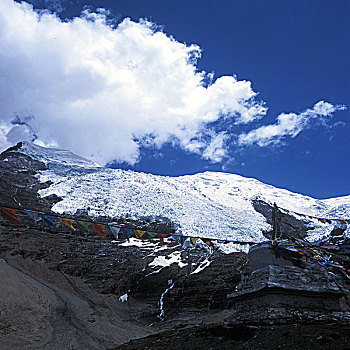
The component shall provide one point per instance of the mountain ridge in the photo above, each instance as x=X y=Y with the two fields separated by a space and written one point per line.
x=208 y=204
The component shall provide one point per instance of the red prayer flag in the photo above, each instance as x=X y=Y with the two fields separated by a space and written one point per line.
x=98 y=229
x=162 y=236
x=9 y=214
x=343 y=222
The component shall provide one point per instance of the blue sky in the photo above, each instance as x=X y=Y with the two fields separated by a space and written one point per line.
x=294 y=53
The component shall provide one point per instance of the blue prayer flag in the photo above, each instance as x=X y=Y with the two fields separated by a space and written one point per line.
x=115 y=230
x=50 y=220
x=126 y=232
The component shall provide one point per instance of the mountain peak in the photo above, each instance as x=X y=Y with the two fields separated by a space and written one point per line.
x=54 y=155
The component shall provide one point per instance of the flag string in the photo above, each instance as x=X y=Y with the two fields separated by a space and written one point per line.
x=47 y=215
x=98 y=225
x=314 y=217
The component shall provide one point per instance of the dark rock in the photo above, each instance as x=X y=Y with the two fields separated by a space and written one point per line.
x=262 y=255
x=284 y=294
x=289 y=224
x=243 y=337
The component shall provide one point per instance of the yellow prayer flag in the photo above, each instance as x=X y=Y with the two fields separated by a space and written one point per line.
x=68 y=223
x=194 y=239
x=139 y=233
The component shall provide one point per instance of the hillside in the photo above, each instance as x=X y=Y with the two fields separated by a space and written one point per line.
x=64 y=290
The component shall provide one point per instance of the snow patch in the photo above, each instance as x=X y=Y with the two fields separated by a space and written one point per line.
x=229 y=248
x=139 y=243
x=202 y=266
x=173 y=258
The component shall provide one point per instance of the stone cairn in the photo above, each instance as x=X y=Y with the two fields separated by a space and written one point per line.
x=279 y=292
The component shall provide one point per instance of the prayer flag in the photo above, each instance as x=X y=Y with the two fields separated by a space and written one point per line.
x=98 y=229
x=140 y=234
x=343 y=222
x=126 y=232
x=50 y=220
x=68 y=223
x=151 y=235
x=348 y=221
x=9 y=214
x=115 y=231
x=208 y=241
x=83 y=226
x=186 y=243
x=162 y=236
x=182 y=239
x=194 y=239
x=34 y=216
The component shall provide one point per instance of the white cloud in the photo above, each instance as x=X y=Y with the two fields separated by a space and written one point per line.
x=216 y=151
x=290 y=124
x=102 y=91
x=19 y=133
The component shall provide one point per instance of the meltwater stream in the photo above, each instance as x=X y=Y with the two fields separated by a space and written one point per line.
x=161 y=304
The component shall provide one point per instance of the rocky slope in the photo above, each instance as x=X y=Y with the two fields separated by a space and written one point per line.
x=62 y=290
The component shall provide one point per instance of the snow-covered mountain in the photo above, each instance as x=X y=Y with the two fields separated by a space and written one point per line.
x=209 y=204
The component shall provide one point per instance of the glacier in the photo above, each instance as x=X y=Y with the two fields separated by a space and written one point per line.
x=209 y=204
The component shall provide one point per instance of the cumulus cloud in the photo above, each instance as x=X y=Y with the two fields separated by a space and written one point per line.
x=105 y=91
x=216 y=151
x=290 y=124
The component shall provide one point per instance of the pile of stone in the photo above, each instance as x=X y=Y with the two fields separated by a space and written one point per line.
x=278 y=292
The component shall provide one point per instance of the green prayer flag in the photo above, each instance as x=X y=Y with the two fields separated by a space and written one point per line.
x=83 y=226
x=151 y=235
